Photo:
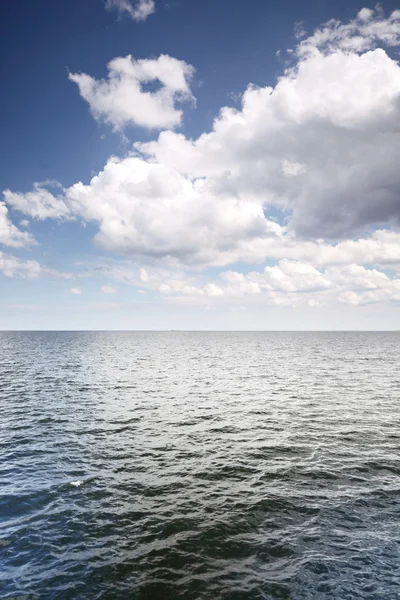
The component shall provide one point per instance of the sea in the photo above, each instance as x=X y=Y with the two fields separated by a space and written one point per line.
x=199 y=465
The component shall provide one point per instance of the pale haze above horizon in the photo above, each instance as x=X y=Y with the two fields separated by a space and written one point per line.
x=200 y=165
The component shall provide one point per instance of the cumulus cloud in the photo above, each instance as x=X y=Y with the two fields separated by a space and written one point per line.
x=286 y=276
x=152 y=278
x=148 y=209
x=138 y=11
x=380 y=248
x=152 y=211
x=290 y=283
x=369 y=29
x=10 y=235
x=75 y=290
x=142 y=92
x=322 y=146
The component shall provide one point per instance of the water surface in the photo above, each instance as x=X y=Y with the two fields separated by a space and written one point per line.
x=184 y=465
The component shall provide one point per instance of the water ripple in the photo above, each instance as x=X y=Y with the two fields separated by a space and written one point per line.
x=199 y=465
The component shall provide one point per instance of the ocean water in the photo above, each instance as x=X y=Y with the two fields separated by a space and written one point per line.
x=199 y=465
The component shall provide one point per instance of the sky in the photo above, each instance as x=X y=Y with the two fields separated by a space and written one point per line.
x=200 y=164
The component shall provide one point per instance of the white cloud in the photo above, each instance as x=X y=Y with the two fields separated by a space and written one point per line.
x=40 y=203
x=380 y=248
x=369 y=29
x=147 y=209
x=10 y=235
x=108 y=289
x=349 y=298
x=12 y=266
x=75 y=291
x=138 y=11
x=287 y=276
x=213 y=290
x=288 y=283
x=123 y=99
x=356 y=277
x=292 y=283
x=323 y=145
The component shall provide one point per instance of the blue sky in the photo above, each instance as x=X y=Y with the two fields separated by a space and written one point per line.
x=280 y=212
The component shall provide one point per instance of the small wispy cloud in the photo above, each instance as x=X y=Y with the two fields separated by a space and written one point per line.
x=108 y=289
x=75 y=291
x=138 y=11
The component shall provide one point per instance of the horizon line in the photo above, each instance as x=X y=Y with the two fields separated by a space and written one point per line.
x=200 y=330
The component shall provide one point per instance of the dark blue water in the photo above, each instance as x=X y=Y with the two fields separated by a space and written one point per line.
x=199 y=465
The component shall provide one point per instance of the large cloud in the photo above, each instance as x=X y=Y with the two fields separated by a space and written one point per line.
x=150 y=210
x=323 y=145
x=290 y=283
x=287 y=283
x=123 y=99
